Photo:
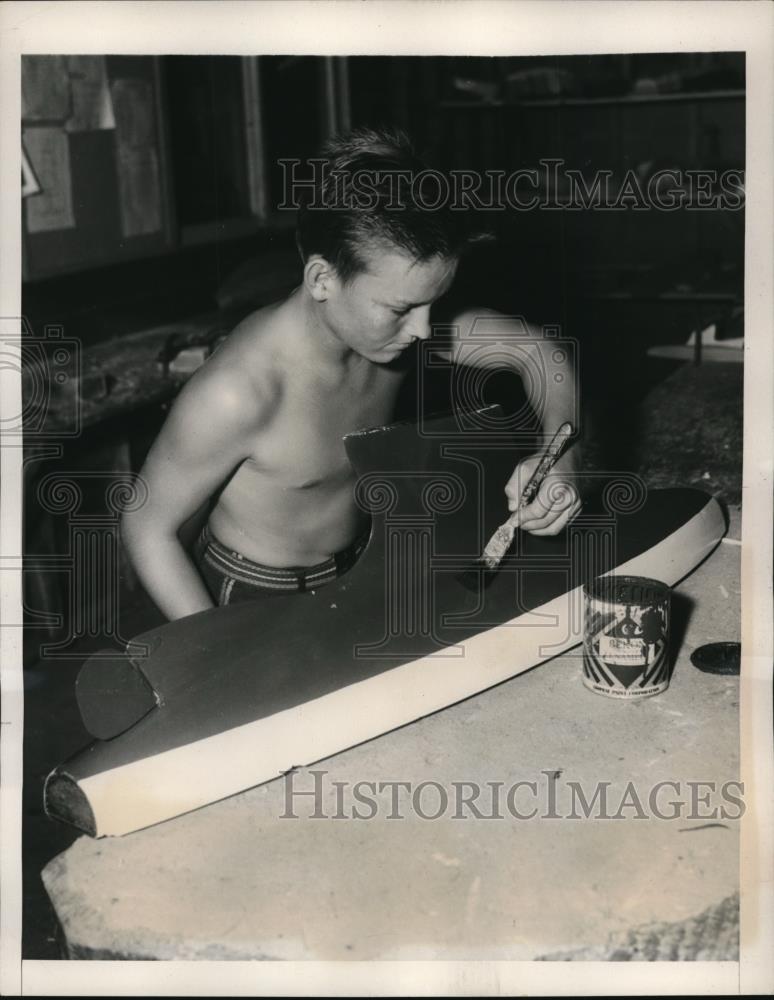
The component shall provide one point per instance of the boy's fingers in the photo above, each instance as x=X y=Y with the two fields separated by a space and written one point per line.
x=558 y=494
x=518 y=482
x=557 y=524
x=535 y=512
x=516 y=517
x=558 y=499
x=553 y=498
x=555 y=494
x=538 y=523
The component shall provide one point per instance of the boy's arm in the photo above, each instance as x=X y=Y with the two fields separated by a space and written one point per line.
x=207 y=434
x=521 y=347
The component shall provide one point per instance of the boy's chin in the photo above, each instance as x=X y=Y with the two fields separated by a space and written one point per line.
x=383 y=354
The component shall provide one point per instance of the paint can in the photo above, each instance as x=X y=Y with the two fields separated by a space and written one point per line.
x=626 y=637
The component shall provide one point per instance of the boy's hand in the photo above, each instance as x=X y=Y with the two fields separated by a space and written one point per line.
x=558 y=499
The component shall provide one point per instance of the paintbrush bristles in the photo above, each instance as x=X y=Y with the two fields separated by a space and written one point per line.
x=498 y=545
x=502 y=539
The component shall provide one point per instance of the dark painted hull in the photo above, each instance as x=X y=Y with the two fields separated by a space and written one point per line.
x=239 y=694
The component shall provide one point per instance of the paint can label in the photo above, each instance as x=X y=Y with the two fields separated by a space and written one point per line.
x=625 y=639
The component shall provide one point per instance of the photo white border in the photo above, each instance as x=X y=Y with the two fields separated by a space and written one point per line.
x=420 y=27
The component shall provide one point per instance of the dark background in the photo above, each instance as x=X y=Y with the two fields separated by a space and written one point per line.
x=619 y=282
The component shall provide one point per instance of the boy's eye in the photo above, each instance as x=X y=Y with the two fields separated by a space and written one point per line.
x=400 y=312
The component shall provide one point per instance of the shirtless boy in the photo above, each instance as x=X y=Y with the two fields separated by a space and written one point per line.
x=259 y=427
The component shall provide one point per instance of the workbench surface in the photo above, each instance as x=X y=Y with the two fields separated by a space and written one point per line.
x=237 y=880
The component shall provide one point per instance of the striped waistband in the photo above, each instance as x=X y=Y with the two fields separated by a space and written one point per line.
x=296 y=578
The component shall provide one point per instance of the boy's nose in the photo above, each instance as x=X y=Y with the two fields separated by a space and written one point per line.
x=420 y=324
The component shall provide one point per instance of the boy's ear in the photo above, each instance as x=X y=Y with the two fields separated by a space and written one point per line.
x=319 y=278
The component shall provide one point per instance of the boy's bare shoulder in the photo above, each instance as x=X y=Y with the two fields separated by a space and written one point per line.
x=253 y=346
x=242 y=381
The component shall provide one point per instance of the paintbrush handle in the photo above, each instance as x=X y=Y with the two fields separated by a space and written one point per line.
x=548 y=460
x=501 y=540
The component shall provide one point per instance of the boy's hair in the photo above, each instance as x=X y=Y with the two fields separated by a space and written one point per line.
x=364 y=199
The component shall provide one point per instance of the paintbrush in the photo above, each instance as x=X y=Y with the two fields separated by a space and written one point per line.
x=502 y=539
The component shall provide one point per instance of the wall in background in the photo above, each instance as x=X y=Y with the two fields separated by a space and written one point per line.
x=161 y=154
x=92 y=137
